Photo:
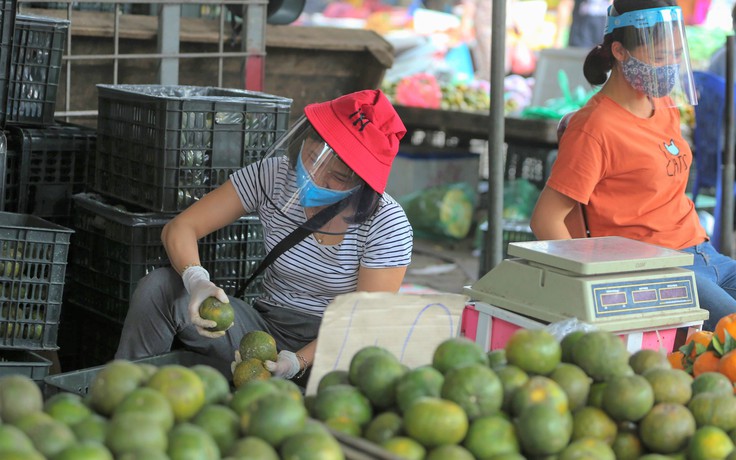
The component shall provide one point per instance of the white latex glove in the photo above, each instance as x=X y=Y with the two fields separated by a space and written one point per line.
x=287 y=365
x=237 y=361
x=197 y=283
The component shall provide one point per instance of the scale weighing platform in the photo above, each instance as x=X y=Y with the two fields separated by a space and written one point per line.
x=614 y=283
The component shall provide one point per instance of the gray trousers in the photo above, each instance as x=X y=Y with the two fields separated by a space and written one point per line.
x=158 y=313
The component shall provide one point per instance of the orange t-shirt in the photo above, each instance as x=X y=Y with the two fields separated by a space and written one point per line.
x=630 y=173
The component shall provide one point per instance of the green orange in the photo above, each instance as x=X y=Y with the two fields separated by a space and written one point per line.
x=496 y=427
x=418 y=383
x=474 y=387
x=457 y=352
x=628 y=398
x=274 y=418
x=435 y=421
x=311 y=446
x=667 y=428
x=248 y=370
x=382 y=427
x=405 y=447
x=535 y=351
x=220 y=312
x=258 y=344
x=182 y=387
x=710 y=442
x=712 y=382
x=543 y=430
x=342 y=400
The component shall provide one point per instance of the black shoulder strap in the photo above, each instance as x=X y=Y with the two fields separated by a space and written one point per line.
x=299 y=233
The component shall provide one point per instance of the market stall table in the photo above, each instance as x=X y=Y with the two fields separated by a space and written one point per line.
x=475 y=125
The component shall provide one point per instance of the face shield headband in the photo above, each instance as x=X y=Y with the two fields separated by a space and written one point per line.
x=658 y=61
x=301 y=174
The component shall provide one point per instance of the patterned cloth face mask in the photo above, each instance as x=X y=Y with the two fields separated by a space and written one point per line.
x=654 y=81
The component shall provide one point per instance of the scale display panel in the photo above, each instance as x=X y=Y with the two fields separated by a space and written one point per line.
x=628 y=297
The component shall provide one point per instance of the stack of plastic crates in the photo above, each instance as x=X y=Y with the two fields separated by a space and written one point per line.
x=45 y=166
x=114 y=247
x=159 y=149
x=45 y=162
x=33 y=261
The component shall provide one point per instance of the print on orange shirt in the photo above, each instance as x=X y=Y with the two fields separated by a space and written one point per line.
x=676 y=163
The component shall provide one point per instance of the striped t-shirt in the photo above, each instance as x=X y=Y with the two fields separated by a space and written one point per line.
x=309 y=275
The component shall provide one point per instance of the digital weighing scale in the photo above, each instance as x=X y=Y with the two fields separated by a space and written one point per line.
x=614 y=283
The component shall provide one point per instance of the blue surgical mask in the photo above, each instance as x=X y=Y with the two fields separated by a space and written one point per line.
x=311 y=194
x=639 y=75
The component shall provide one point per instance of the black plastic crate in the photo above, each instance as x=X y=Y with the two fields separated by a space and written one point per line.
x=530 y=162
x=33 y=260
x=163 y=147
x=97 y=335
x=7 y=26
x=46 y=166
x=114 y=248
x=23 y=362
x=514 y=232
x=35 y=68
x=68 y=340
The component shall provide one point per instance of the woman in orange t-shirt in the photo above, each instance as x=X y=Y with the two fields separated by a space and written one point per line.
x=623 y=156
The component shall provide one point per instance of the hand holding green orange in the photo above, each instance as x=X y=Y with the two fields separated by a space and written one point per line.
x=221 y=313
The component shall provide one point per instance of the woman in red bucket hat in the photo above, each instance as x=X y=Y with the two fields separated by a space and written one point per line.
x=319 y=191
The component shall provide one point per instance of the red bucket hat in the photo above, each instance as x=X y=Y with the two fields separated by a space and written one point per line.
x=364 y=129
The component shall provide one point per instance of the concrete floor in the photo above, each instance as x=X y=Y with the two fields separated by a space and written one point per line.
x=442 y=266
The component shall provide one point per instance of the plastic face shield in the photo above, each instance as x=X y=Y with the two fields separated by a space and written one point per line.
x=655 y=39
x=316 y=178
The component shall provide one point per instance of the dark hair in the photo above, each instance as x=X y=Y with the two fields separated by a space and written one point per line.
x=600 y=60
x=365 y=202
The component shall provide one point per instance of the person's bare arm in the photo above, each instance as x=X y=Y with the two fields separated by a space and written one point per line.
x=550 y=212
x=215 y=210
x=380 y=279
